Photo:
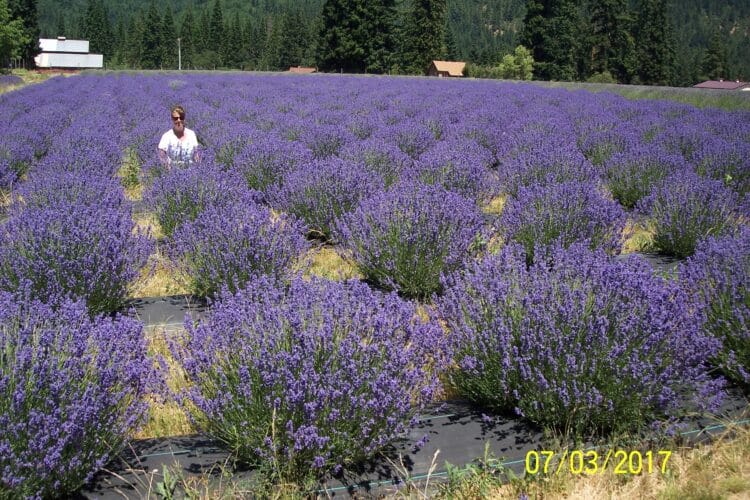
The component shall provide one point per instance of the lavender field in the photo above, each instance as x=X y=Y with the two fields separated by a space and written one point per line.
x=484 y=223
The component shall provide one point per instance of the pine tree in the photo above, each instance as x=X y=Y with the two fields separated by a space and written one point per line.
x=151 y=45
x=134 y=41
x=97 y=30
x=168 y=41
x=254 y=41
x=232 y=53
x=551 y=31
x=61 y=29
x=216 y=31
x=655 y=46
x=612 y=45
x=381 y=45
x=451 y=50
x=715 y=58
x=292 y=40
x=342 y=40
x=187 y=38
x=424 y=33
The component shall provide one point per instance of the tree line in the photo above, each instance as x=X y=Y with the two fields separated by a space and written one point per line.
x=626 y=41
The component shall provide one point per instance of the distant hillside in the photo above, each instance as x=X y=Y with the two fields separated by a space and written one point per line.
x=483 y=30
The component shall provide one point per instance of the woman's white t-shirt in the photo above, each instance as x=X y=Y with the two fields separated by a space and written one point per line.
x=179 y=151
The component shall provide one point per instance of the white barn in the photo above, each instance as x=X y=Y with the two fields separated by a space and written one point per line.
x=63 y=53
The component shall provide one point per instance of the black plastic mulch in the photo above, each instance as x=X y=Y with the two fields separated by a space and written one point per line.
x=457 y=433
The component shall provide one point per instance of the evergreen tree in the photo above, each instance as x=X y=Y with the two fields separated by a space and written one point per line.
x=654 y=38
x=551 y=32
x=342 y=40
x=612 y=45
x=254 y=43
x=715 y=58
x=151 y=45
x=61 y=29
x=216 y=30
x=97 y=30
x=233 y=52
x=168 y=41
x=451 y=50
x=187 y=38
x=134 y=41
x=293 y=39
x=424 y=31
x=381 y=44
x=26 y=11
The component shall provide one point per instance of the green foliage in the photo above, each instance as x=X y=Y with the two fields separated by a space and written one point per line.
x=715 y=60
x=655 y=45
x=517 y=66
x=603 y=77
x=12 y=36
x=424 y=35
x=551 y=31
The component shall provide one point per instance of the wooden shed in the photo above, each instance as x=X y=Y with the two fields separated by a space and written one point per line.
x=446 y=68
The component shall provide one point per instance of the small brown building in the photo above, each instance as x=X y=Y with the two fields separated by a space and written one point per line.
x=301 y=69
x=723 y=85
x=446 y=68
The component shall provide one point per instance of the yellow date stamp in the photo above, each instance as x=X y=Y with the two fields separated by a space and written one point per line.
x=631 y=462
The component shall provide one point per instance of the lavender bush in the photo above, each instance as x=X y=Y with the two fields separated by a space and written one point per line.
x=323 y=190
x=685 y=208
x=226 y=245
x=460 y=166
x=50 y=188
x=631 y=175
x=545 y=164
x=578 y=342
x=74 y=250
x=405 y=238
x=71 y=392
x=718 y=274
x=563 y=213
x=265 y=161
x=312 y=378
x=181 y=194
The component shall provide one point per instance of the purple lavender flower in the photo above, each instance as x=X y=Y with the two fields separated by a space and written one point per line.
x=321 y=191
x=563 y=213
x=72 y=250
x=226 y=245
x=404 y=238
x=577 y=342
x=718 y=275
x=686 y=208
x=72 y=390
x=181 y=194
x=309 y=378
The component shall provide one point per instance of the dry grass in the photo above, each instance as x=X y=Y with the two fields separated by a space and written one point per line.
x=496 y=205
x=30 y=77
x=166 y=417
x=717 y=470
x=158 y=279
x=326 y=262
x=639 y=237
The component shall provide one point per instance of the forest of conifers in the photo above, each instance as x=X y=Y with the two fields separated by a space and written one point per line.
x=697 y=40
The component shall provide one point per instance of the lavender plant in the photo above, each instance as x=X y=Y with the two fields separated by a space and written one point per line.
x=311 y=378
x=718 y=275
x=404 y=238
x=73 y=250
x=181 y=194
x=72 y=391
x=267 y=159
x=461 y=166
x=563 y=213
x=226 y=245
x=686 y=208
x=577 y=343
x=322 y=191
x=631 y=175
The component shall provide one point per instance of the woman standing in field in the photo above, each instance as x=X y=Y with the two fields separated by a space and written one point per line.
x=179 y=145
